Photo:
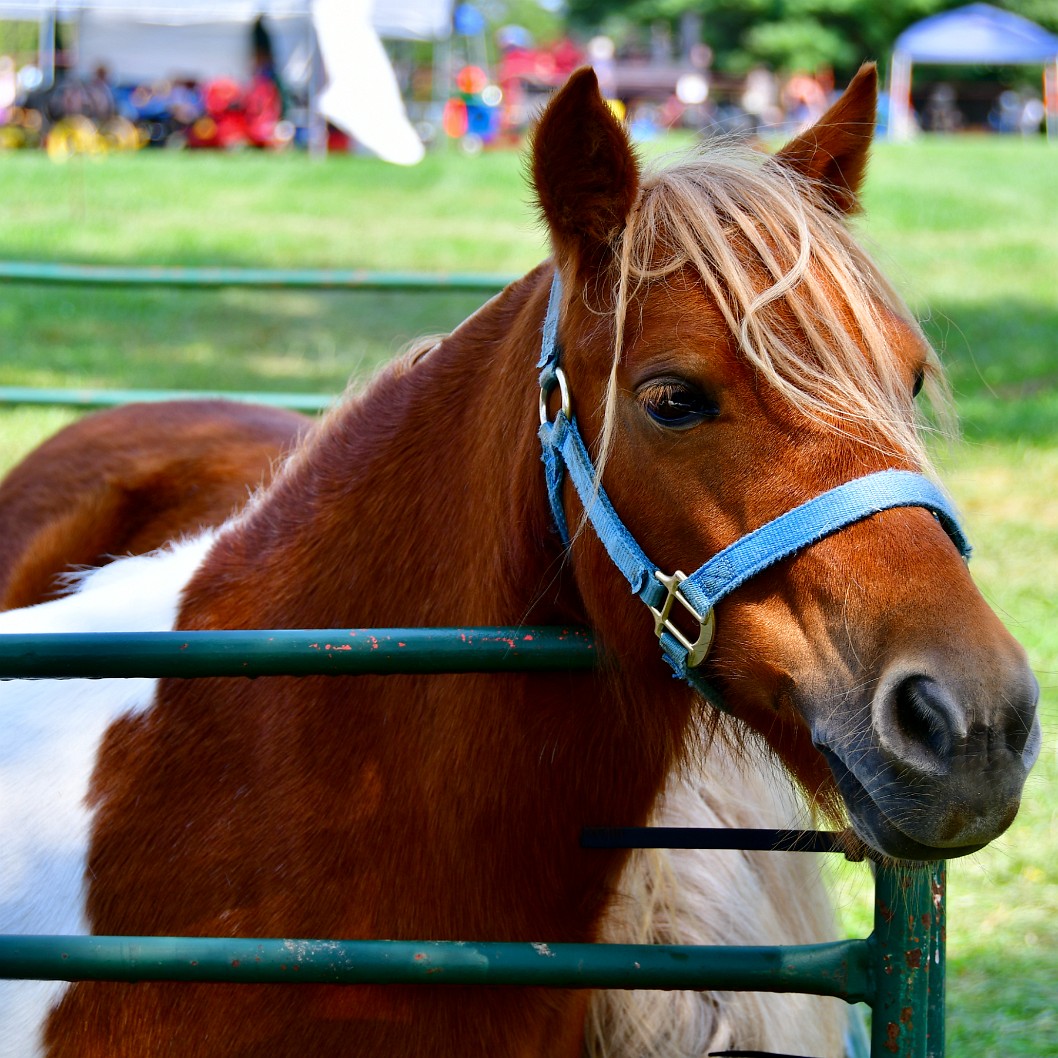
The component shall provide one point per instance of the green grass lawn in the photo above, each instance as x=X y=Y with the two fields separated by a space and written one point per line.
x=965 y=227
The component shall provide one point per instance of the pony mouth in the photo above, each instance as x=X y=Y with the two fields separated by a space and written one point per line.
x=878 y=830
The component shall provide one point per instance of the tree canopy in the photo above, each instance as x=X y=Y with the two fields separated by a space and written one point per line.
x=788 y=35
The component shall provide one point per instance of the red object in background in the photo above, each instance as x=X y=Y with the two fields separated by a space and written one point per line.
x=236 y=119
x=263 y=109
x=522 y=66
x=454 y=119
x=567 y=57
x=338 y=142
x=471 y=80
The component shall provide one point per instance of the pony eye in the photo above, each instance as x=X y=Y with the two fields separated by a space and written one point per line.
x=676 y=404
x=916 y=388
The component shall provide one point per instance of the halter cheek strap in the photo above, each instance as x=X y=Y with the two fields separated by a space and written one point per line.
x=564 y=451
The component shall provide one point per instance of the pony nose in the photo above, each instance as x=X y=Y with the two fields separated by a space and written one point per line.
x=927 y=725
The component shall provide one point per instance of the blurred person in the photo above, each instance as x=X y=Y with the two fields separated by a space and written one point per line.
x=804 y=100
x=8 y=87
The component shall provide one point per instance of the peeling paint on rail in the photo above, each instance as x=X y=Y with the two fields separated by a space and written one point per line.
x=283 y=652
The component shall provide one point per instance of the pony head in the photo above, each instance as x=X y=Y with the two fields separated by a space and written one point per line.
x=732 y=352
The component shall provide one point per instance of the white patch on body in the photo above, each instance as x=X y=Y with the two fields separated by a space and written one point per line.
x=719 y=897
x=50 y=732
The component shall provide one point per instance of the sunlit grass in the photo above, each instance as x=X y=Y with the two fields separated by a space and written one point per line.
x=450 y=213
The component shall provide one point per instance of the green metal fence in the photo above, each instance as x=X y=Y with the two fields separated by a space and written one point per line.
x=109 y=398
x=52 y=273
x=898 y=970
x=57 y=273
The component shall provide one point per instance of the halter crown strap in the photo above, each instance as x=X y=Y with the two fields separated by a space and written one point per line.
x=564 y=450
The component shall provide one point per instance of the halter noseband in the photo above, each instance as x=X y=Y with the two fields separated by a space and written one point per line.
x=564 y=451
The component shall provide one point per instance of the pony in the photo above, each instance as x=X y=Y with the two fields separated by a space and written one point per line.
x=133 y=478
x=732 y=356
x=128 y=481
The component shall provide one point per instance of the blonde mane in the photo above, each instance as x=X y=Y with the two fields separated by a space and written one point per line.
x=812 y=312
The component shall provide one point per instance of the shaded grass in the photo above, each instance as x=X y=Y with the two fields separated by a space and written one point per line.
x=961 y=225
x=964 y=226
x=238 y=339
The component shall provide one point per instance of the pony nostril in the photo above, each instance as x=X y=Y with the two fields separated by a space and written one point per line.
x=927 y=726
x=925 y=716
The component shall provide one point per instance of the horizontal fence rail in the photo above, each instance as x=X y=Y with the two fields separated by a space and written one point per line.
x=839 y=968
x=206 y=278
x=112 y=398
x=899 y=970
x=56 y=273
x=301 y=652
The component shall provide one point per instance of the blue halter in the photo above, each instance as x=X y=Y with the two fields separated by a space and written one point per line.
x=564 y=451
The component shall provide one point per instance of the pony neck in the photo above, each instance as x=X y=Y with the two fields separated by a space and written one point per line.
x=421 y=502
x=424 y=503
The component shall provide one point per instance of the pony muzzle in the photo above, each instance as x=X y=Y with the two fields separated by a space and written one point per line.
x=928 y=745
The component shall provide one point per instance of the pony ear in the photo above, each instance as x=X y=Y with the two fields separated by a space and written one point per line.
x=833 y=152
x=585 y=172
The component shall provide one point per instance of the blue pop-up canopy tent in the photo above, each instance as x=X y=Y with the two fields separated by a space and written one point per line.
x=977 y=34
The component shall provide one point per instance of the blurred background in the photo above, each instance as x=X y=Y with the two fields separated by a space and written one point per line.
x=394 y=76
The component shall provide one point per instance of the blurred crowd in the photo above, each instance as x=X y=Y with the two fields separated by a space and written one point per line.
x=90 y=114
x=482 y=104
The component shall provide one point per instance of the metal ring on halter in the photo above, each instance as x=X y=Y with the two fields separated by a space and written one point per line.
x=558 y=377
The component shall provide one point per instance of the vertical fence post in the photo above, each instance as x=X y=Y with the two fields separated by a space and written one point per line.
x=908 y=938
x=938 y=970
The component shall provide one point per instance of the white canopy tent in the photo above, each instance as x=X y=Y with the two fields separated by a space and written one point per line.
x=145 y=40
x=978 y=34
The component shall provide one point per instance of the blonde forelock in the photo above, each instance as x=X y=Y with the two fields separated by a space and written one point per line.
x=811 y=312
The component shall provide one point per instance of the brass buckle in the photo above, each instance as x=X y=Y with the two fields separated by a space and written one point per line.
x=559 y=379
x=696 y=651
